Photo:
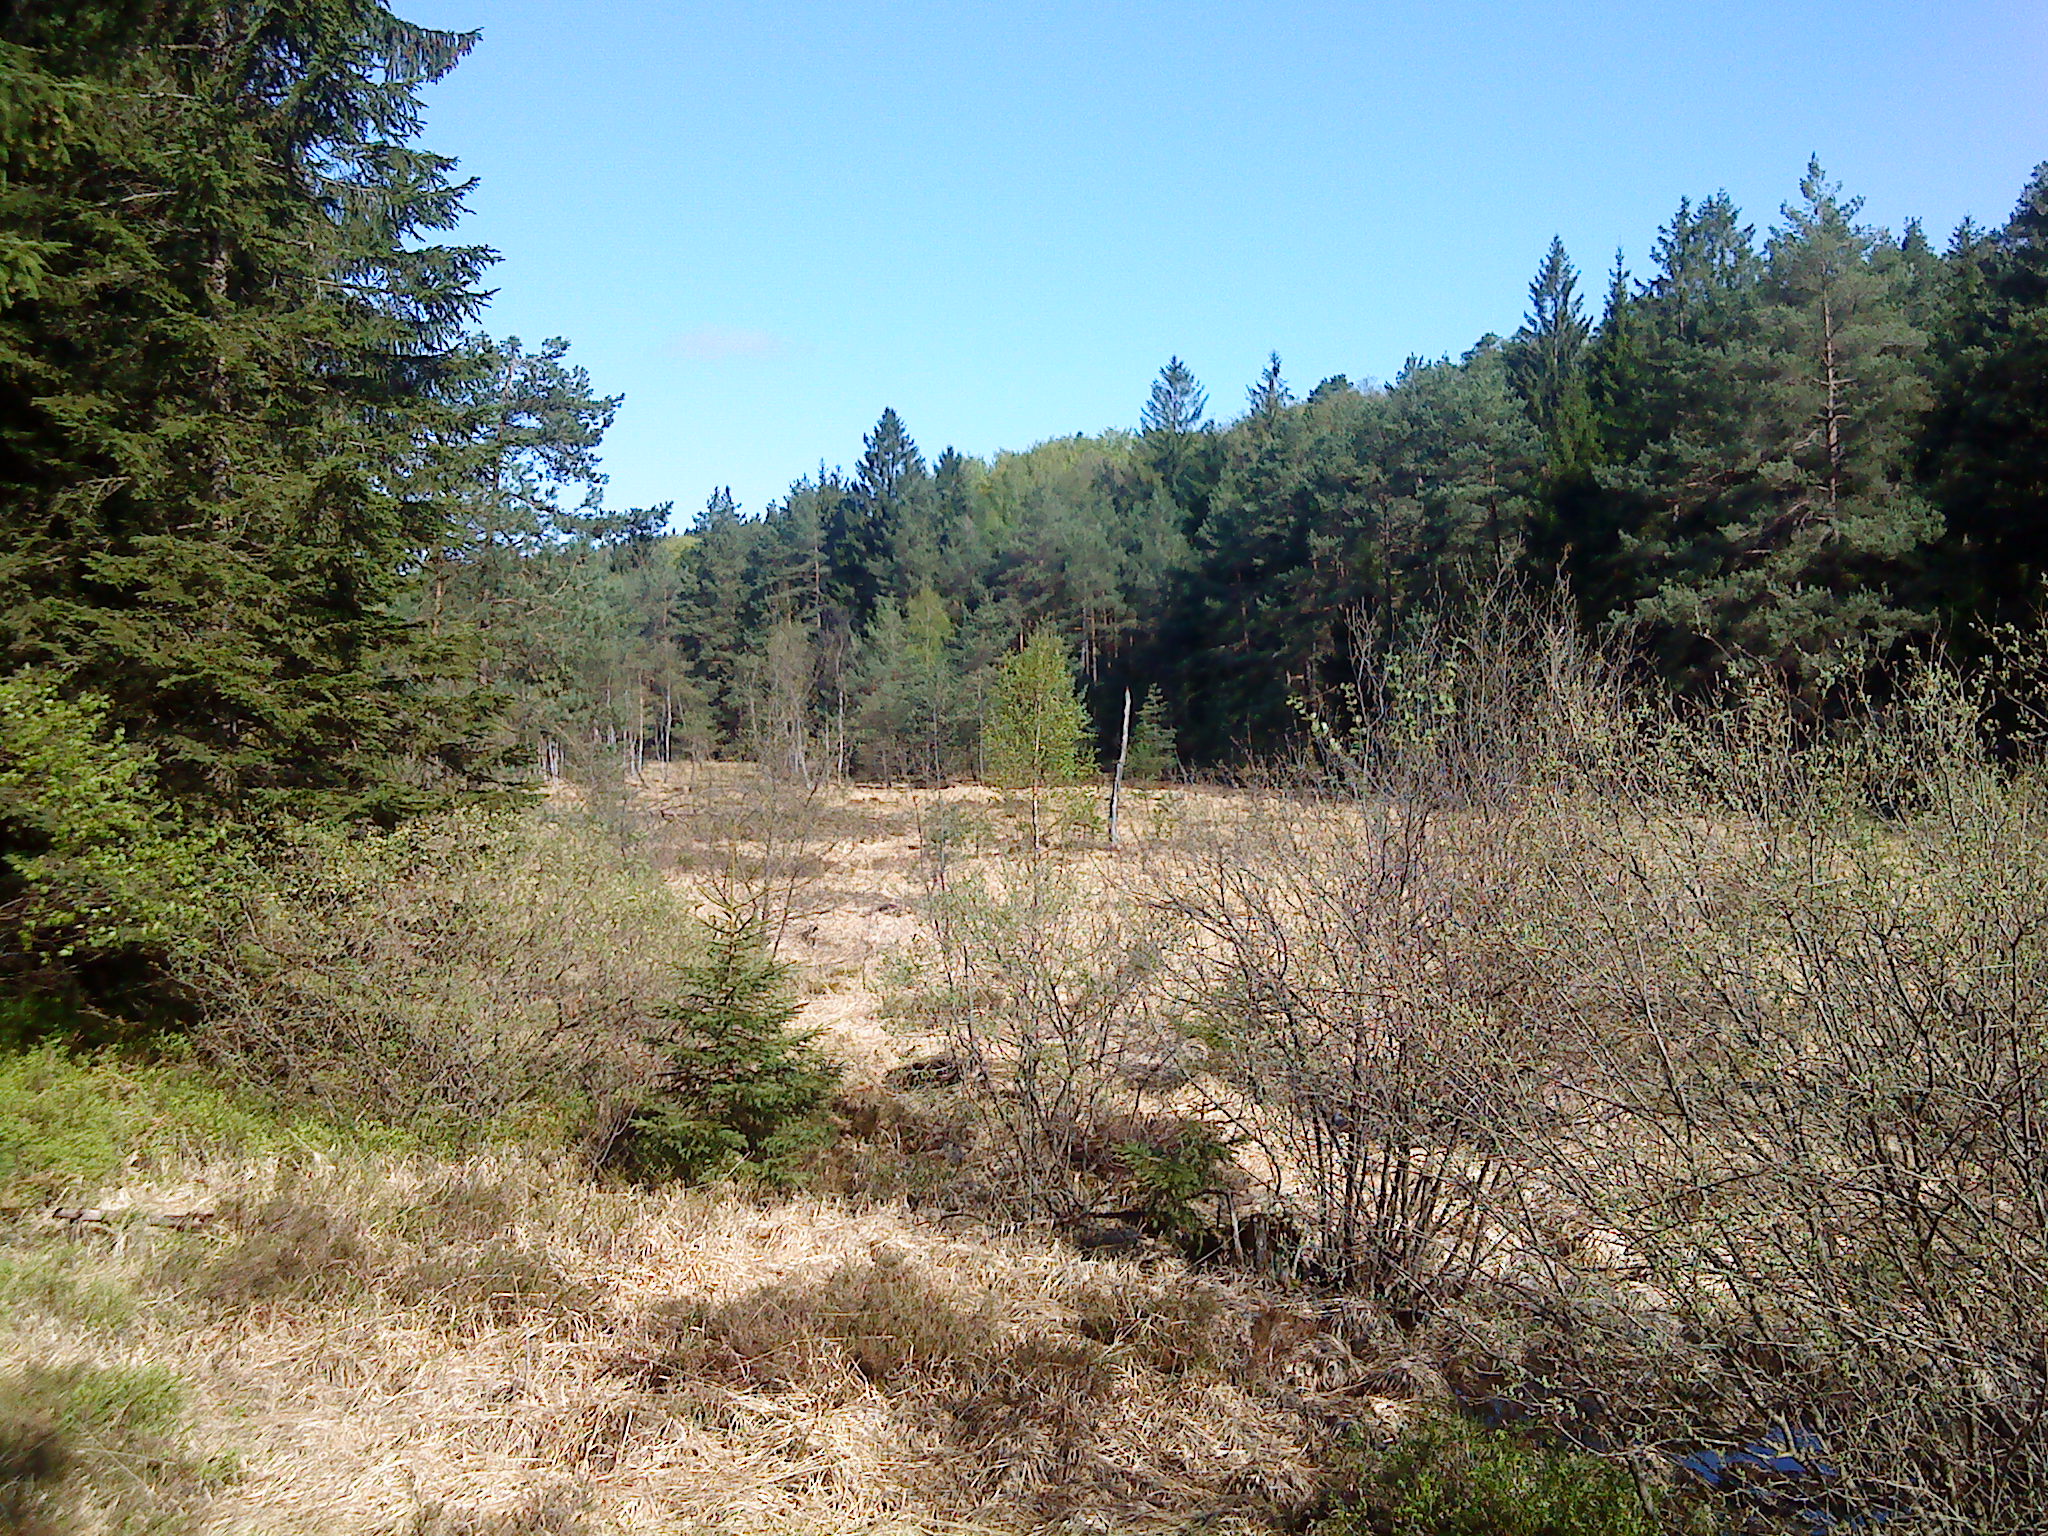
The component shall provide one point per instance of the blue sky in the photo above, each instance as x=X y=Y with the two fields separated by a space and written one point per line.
x=762 y=223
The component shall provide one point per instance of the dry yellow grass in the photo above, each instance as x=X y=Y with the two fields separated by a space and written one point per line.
x=498 y=1345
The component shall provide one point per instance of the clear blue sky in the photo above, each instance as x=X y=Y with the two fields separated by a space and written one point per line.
x=763 y=222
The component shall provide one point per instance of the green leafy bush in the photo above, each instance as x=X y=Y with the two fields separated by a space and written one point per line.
x=1453 y=1478
x=474 y=974
x=91 y=860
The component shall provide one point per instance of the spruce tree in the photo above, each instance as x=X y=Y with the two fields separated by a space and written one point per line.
x=884 y=515
x=1269 y=395
x=1153 y=753
x=231 y=359
x=1545 y=363
x=1799 y=552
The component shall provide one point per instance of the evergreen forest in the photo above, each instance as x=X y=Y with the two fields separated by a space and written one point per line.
x=326 y=548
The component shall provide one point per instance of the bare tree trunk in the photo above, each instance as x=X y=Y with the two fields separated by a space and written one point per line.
x=1116 y=787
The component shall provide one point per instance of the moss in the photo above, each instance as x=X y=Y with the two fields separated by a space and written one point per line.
x=71 y=1121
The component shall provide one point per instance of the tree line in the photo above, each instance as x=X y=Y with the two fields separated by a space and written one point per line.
x=1794 y=452
x=318 y=544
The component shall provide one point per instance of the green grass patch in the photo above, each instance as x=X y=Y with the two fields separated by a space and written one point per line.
x=1451 y=1477
x=97 y=1448
x=49 y=1281
x=70 y=1122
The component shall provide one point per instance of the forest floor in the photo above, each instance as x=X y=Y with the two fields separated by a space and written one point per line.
x=344 y=1341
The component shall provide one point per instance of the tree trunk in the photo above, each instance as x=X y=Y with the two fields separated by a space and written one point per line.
x=1116 y=787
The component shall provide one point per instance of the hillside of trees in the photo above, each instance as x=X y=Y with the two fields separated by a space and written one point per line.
x=326 y=547
x=1799 y=451
x=284 y=519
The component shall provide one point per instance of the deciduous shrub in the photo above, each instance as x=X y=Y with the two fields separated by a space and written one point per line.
x=464 y=975
x=93 y=864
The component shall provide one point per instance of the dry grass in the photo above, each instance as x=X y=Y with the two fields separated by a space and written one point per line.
x=499 y=1345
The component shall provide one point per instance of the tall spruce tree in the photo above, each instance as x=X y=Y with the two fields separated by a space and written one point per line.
x=1810 y=527
x=1987 y=447
x=884 y=513
x=231 y=361
x=1545 y=363
x=1172 y=417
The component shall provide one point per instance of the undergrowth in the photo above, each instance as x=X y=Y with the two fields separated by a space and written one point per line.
x=98 y=1448
x=1451 y=1477
x=70 y=1122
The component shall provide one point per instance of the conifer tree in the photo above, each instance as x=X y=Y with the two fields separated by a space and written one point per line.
x=1545 y=362
x=1153 y=754
x=231 y=360
x=1987 y=450
x=1269 y=396
x=884 y=514
x=1172 y=418
x=1796 y=552
x=710 y=594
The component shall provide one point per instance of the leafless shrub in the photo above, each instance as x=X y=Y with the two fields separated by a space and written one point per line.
x=754 y=842
x=1811 y=1085
x=450 y=977
x=1714 y=1033
x=1043 y=996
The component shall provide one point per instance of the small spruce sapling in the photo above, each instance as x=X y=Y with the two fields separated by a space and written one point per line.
x=1154 y=755
x=740 y=1088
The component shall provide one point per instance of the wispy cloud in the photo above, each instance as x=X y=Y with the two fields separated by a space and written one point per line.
x=725 y=343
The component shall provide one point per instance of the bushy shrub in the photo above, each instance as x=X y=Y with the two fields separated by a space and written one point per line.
x=465 y=975
x=92 y=862
x=1713 y=1031
x=1449 y=1477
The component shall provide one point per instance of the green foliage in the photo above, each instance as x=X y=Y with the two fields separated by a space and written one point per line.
x=232 y=403
x=1154 y=755
x=1170 y=1174
x=1037 y=731
x=477 y=974
x=1449 y=1477
x=70 y=1123
x=1792 y=553
x=1987 y=440
x=739 y=1089
x=95 y=1448
x=91 y=860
